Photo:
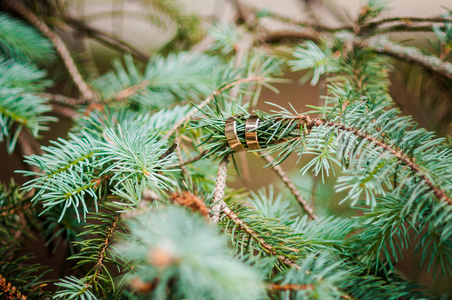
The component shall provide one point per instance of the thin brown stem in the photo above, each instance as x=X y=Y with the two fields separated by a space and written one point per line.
x=108 y=40
x=280 y=172
x=27 y=146
x=85 y=90
x=289 y=287
x=268 y=248
x=290 y=36
x=130 y=91
x=408 y=20
x=404 y=28
x=61 y=99
x=439 y=193
x=193 y=159
x=64 y=111
x=408 y=55
x=103 y=252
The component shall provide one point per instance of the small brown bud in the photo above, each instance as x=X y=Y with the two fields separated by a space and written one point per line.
x=192 y=201
x=142 y=287
x=160 y=258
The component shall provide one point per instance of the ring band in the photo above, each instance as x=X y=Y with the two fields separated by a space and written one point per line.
x=251 y=132
x=230 y=131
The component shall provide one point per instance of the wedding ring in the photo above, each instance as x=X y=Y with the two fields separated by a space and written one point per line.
x=251 y=132
x=230 y=131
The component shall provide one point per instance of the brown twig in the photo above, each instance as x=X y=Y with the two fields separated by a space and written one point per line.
x=244 y=14
x=107 y=242
x=193 y=159
x=61 y=99
x=108 y=40
x=408 y=20
x=282 y=36
x=404 y=28
x=278 y=169
x=268 y=248
x=132 y=90
x=305 y=24
x=439 y=193
x=289 y=287
x=407 y=54
x=85 y=90
x=65 y=111
x=27 y=146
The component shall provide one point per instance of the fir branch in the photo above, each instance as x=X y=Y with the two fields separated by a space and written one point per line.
x=85 y=90
x=103 y=249
x=174 y=250
x=193 y=111
x=407 y=54
x=22 y=43
x=18 y=278
x=278 y=169
x=268 y=248
x=191 y=201
x=438 y=192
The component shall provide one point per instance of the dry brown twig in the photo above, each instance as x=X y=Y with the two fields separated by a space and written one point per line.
x=280 y=172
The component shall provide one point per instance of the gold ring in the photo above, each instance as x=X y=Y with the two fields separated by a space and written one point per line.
x=230 y=131
x=251 y=132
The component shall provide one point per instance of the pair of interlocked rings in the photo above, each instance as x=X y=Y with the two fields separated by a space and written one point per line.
x=251 y=139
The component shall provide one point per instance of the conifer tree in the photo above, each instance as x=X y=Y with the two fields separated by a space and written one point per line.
x=136 y=195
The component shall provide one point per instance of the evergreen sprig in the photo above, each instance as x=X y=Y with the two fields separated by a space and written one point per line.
x=181 y=255
x=23 y=43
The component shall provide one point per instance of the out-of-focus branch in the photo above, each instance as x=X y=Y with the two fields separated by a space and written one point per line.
x=291 y=36
x=85 y=90
x=61 y=99
x=64 y=111
x=27 y=146
x=106 y=39
x=407 y=54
